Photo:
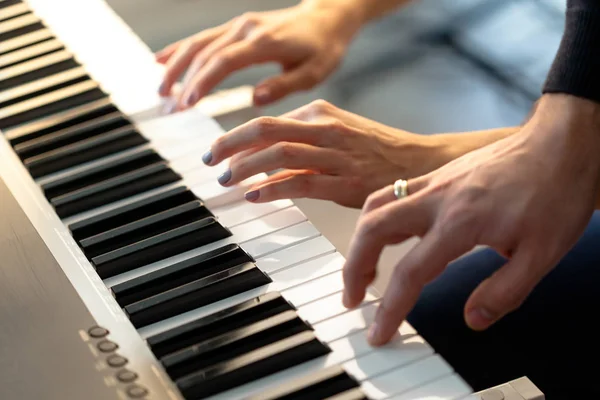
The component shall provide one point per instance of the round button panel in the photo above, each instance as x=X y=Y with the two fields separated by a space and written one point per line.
x=106 y=346
x=116 y=361
x=126 y=376
x=97 y=332
x=137 y=391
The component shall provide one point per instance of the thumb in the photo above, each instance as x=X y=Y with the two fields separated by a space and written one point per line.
x=305 y=77
x=504 y=291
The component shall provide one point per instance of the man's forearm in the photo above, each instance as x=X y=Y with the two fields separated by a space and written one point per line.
x=364 y=10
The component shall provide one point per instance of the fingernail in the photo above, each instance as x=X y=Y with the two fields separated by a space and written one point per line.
x=207 y=157
x=191 y=99
x=262 y=94
x=252 y=196
x=161 y=89
x=225 y=177
x=479 y=318
x=373 y=334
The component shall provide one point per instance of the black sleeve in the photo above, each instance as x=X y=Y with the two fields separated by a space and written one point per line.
x=576 y=68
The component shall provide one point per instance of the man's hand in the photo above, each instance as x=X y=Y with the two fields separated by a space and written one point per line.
x=331 y=154
x=528 y=196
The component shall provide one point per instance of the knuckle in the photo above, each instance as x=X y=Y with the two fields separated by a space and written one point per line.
x=411 y=276
x=335 y=125
x=222 y=60
x=285 y=150
x=263 y=38
x=265 y=127
x=321 y=107
x=246 y=21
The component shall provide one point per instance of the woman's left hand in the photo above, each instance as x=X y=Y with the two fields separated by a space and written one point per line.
x=331 y=154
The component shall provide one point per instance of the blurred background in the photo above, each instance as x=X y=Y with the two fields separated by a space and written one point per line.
x=434 y=66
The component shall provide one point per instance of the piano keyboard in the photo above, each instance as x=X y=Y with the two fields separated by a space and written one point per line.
x=198 y=293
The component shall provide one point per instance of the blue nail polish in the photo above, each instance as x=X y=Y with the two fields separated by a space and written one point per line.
x=207 y=157
x=161 y=89
x=225 y=177
x=191 y=99
x=252 y=196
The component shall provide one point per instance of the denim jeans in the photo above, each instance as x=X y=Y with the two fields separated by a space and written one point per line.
x=552 y=338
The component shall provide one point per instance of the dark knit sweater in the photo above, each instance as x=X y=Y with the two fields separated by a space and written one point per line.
x=576 y=68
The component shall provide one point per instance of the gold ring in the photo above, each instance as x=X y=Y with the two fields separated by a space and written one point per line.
x=401 y=189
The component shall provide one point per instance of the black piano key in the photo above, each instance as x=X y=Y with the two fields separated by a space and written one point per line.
x=351 y=394
x=111 y=190
x=37 y=68
x=84 y=151
x=60 y=121
x=22 y=25
x=8 y=3
x=131 y=212
x=201 y=292
x=99 y=173
x=42 y=86
x=144 y=228
x=14 y=10
x=29 y=53
x=179 y=274
x=159 y=247
x=320 y=385
x=25 y=40
x=84 y=130
x=265 y=361
x=233 y=344
x=51 y=103
x=226 y=320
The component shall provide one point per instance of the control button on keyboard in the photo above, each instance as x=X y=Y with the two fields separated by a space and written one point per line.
x=179 y=274
x=116 y=361
x=227 y=320
x=159 y=247
x=201 y=292
x=106 y=346
x=136 y=392
x=98 y=332
x=126 y=376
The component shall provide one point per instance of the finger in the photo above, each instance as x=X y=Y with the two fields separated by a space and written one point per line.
x=421 y=265
x=299 y=185
x=284 y=174
x=505 y=290
x=183 y=55
x=285 y=155
x=387 y=195
x=163 y=55
x=389 y=224
x=304 y=77
x=263 y=132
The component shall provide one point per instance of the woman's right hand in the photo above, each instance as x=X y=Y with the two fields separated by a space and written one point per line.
x=307 y=40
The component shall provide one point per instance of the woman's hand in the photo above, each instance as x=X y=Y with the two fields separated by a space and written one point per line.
x=331 y=154
x=528 y=196
x=307 y=40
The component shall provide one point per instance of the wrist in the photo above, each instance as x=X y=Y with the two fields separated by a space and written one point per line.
x=350 y=15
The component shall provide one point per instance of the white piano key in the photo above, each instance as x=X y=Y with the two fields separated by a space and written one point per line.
x=316 y=289
x=406 y=378
x=240 y=234
x=327 y=307
x=292 y=235
x=274 y=262
x=215 y=195
x=345 y=324
x=235 y=214
x=448 y=388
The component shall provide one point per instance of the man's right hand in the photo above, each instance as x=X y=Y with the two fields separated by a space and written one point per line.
x=307 y=40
